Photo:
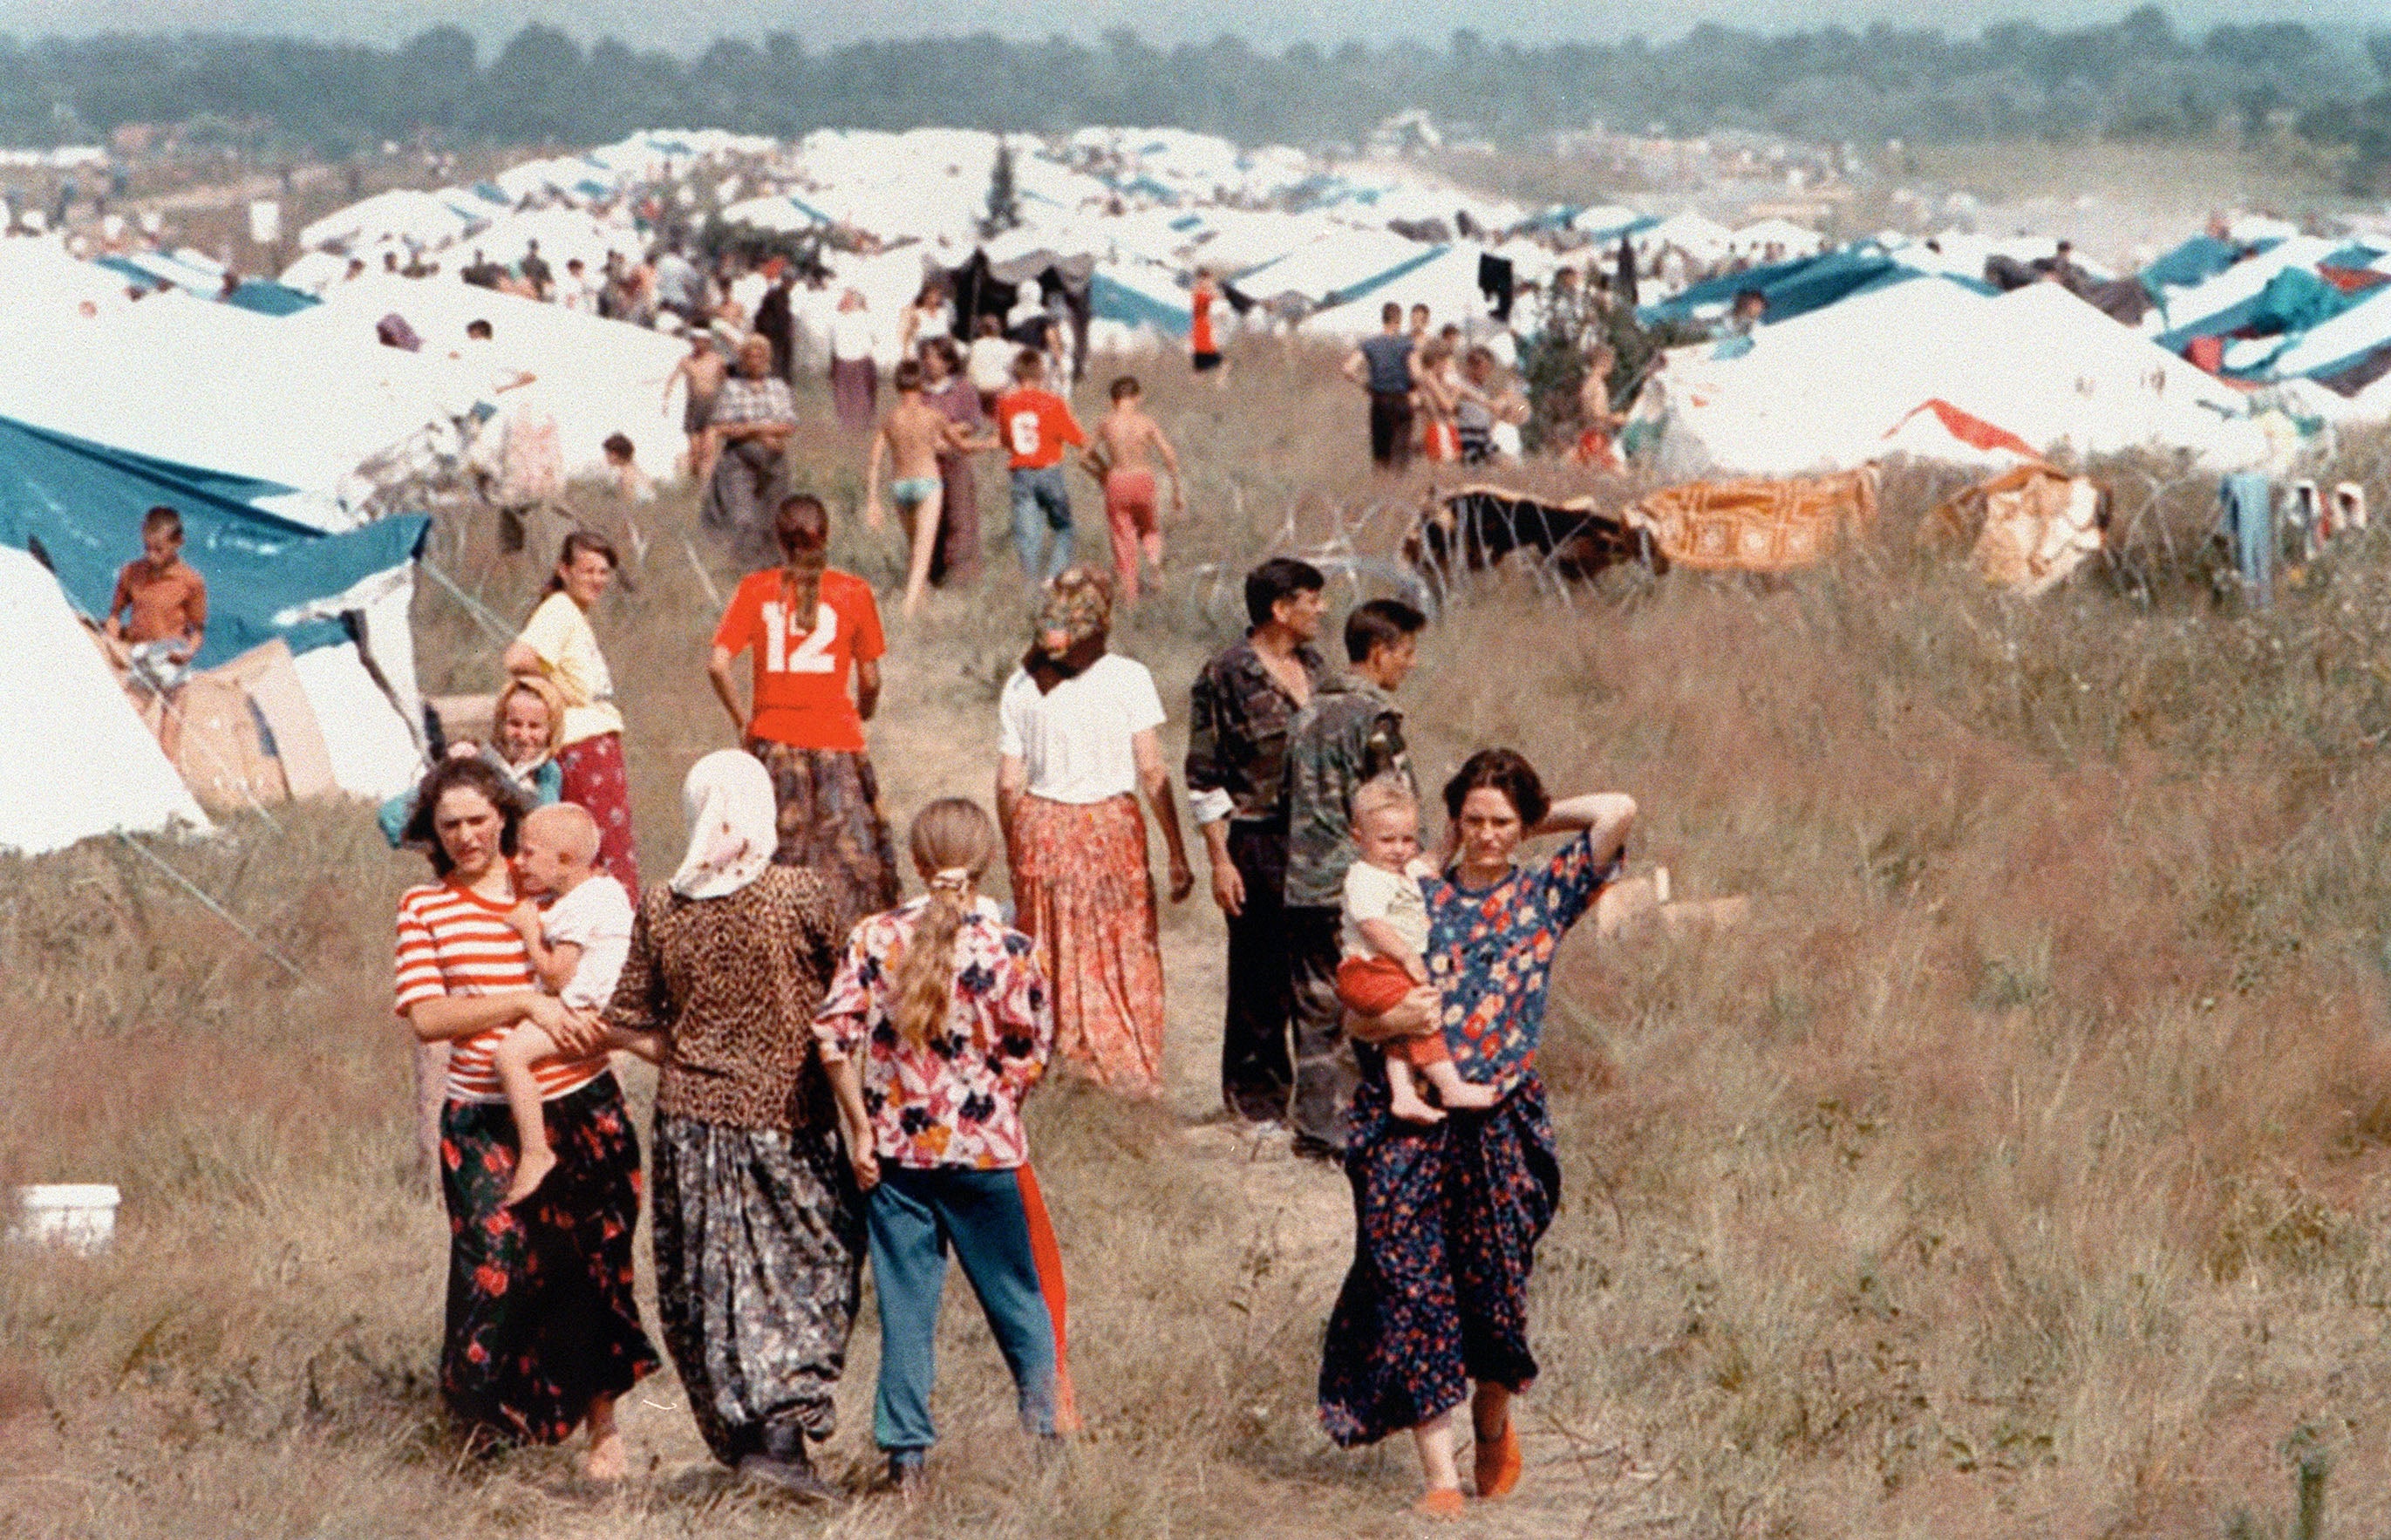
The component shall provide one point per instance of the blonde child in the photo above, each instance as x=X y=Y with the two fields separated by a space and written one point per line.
x=578 y=947
x=1386 y=934
x=937 y=1026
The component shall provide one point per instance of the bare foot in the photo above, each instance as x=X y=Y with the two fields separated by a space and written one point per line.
x=1407 y=1105
x=606 y=1461
x=530 y=1170
x=1461 y=1097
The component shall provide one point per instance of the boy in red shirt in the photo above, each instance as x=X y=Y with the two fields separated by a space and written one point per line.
x=1035 y=425
x=160 y=614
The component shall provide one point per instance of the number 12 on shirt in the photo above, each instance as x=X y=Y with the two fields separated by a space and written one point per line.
x=812 y=655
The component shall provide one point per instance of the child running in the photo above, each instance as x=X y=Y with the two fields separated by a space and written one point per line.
x=577 y=946
x=913 y=436
x=937 y=1026
x=1132 y=502
x=1386 y=935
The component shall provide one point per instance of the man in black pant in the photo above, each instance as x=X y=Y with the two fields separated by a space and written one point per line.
x=1351 y=734
x=1382 y=367
x=1239 y=711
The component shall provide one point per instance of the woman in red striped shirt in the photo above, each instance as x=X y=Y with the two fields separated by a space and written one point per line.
x=542 y=1332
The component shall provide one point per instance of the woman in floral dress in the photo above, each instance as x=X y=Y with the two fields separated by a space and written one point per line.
x=936 y=1029
x=1450 y=1213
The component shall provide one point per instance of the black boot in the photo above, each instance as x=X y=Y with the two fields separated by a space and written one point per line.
x=782 y=1461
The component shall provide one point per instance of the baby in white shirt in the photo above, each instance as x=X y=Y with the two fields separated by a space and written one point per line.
x=1384 y=941
x=578 y=945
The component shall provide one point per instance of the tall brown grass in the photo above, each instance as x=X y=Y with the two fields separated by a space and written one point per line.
x=2019 y=1168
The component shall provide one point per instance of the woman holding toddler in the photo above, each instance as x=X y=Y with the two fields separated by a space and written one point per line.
x=1449 y=1211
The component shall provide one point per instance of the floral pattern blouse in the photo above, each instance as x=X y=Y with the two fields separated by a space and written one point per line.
x=1490 y=953
x=955 y=1098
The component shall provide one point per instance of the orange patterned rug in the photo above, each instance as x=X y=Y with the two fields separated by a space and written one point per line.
x=1757 y=525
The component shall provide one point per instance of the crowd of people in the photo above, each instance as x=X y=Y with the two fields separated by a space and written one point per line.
x=842 y=1069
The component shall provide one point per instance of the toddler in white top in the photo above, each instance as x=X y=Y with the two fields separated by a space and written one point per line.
x=578 y=945
x=1385 y=939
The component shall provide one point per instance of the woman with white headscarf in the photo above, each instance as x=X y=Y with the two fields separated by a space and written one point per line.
x=758 y=1228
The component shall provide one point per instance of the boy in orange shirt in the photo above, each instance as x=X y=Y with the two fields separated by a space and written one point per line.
x=164 y=603
x=1035 y=425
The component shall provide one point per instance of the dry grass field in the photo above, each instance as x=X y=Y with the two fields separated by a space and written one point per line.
x=2023 y=1167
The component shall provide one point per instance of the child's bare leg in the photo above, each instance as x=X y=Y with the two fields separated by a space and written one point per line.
x=925 y=525
x=1403 y=1100
x=517 y=1052
x=1455 y=1091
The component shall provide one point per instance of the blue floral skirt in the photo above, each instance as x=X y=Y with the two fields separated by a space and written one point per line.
x=1446 y=1221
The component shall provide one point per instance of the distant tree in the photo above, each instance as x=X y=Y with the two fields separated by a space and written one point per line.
x=1003 y=199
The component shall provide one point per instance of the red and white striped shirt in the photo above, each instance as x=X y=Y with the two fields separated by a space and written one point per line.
x=454 y=942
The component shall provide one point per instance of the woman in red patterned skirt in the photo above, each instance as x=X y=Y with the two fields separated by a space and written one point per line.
x=558 y=645
x=1078 y=740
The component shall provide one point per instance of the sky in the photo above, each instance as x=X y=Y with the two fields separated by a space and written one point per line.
x=684 y=27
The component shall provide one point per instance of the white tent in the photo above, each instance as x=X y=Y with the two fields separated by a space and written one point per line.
x=1446 y=283
x=74 y=759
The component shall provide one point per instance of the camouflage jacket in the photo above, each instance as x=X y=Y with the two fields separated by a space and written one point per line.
x=1237 y=722
x=1351 y=732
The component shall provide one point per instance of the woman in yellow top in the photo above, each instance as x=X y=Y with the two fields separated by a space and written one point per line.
x=558 y=645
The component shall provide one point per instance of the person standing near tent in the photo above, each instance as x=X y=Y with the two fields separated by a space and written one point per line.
x=752 y=418
x=1382 y=368
x=1036 y=424
x=701 y=376
x=924 y=318
x=1239 y=711
x=1079 y=738
x=956 y=557
x=854 y=377
x=543 y=1334
x=807 y=628
x=1203 y=345
x=159 y=614
x=558 y=644
x=776 y=318
x=990 y=362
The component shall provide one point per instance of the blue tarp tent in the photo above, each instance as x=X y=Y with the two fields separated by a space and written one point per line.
x=81 y=502
x=1793 y=288
x=2294 y=301
x=268 y=297
x=1111 y=299
x=2196 y=261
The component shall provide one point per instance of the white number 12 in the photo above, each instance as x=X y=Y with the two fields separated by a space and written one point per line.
x=812 y=655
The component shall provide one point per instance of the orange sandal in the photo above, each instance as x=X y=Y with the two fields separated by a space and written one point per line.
x=1498 y=1463
x=1441 y=1502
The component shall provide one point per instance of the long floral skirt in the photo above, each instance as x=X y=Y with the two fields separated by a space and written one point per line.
x=1446 y=1221
x=853 y=392
x=830 y=824
x=541 y=1314
x=1085 y=895
x=759 y=1256
x=595 y=779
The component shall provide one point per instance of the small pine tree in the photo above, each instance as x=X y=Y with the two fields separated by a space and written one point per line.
x=1003 y=199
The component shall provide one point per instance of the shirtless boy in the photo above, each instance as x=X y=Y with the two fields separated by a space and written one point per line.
x=1118 y=460
x=704 y=368
x=914 y=435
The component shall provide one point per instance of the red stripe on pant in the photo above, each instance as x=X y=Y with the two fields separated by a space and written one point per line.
x=1048 y=1257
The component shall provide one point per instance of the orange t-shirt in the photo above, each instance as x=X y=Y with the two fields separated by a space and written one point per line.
x=1200 y=335
x=1036 y=425
x=801 y=697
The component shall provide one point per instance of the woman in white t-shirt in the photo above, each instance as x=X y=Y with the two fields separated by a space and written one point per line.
x=1080 y=738
x=558 y=645
x=853 y=376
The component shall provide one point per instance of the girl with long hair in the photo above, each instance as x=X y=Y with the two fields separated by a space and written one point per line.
x=937 y=1025
x=808 y=629
x=558 y=645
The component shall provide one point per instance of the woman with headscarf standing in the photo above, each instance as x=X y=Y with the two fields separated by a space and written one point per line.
x=807 y=628
x=759 y=1230
x=558 y=645
x=854 y=377
x=1078 y=739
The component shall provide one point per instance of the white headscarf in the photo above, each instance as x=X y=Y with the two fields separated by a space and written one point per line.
x=733 y=824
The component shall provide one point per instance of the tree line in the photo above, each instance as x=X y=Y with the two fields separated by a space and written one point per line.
x=2138 y=77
